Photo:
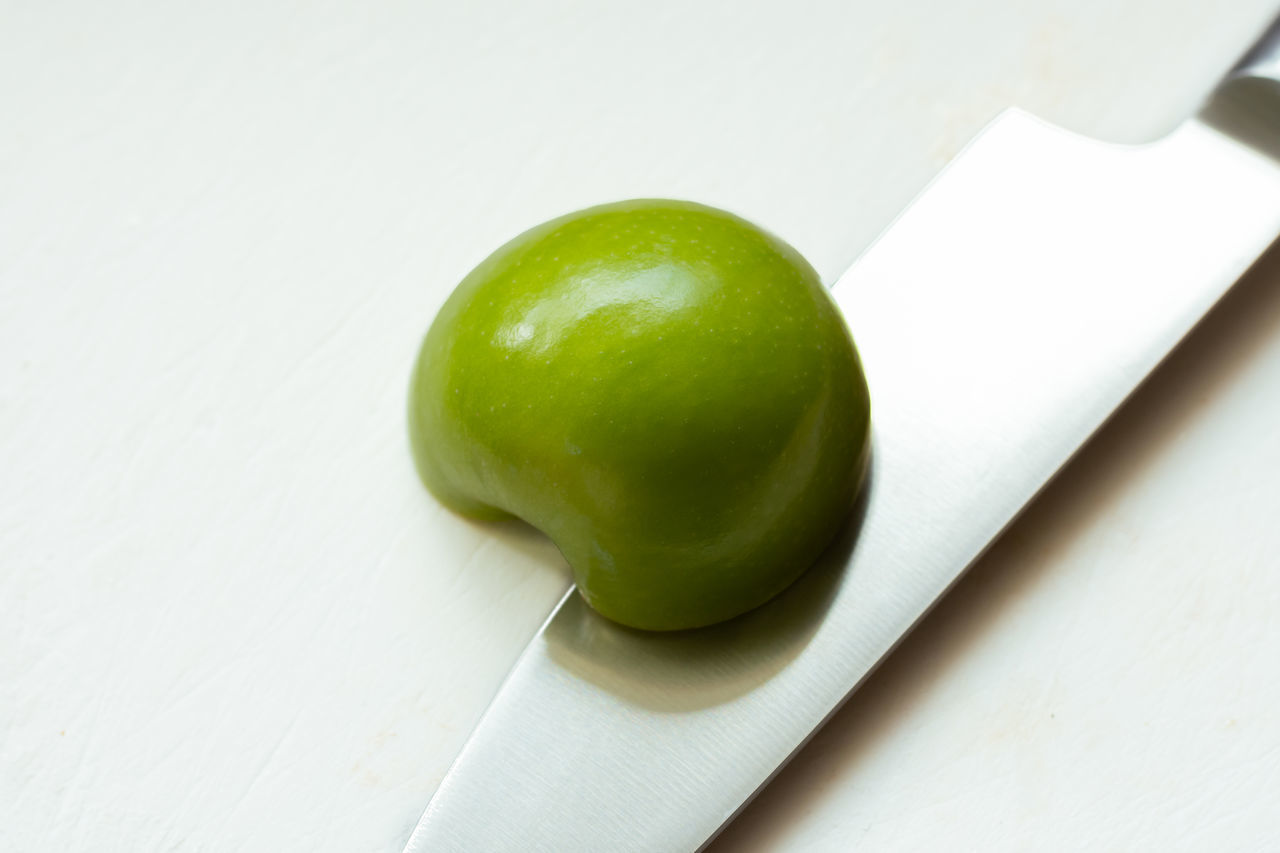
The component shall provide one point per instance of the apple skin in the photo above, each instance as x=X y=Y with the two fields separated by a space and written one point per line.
x=662 y=388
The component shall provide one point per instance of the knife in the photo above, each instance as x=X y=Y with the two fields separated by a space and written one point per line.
x=1001 y=319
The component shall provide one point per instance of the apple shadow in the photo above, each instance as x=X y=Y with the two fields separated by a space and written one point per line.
x=1200 y=369
x=518 y=535
x=704 y=667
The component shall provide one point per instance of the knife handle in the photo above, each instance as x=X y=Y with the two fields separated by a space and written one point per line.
x=1262 y=61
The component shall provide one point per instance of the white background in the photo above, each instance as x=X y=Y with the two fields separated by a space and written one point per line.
x=230 y=618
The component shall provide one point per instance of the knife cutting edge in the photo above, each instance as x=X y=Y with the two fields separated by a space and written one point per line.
x=1001 y=319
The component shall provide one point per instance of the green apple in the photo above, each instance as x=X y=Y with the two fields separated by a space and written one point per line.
x=662 y=388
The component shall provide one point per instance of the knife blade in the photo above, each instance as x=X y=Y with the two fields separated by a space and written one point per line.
x=1001 y=320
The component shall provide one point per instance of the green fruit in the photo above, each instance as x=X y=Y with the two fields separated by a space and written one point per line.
x=665 y=390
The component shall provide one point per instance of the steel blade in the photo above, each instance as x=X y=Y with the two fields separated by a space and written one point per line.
x=1001 y=320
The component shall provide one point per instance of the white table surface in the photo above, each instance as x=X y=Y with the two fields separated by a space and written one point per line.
x=231 y=619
